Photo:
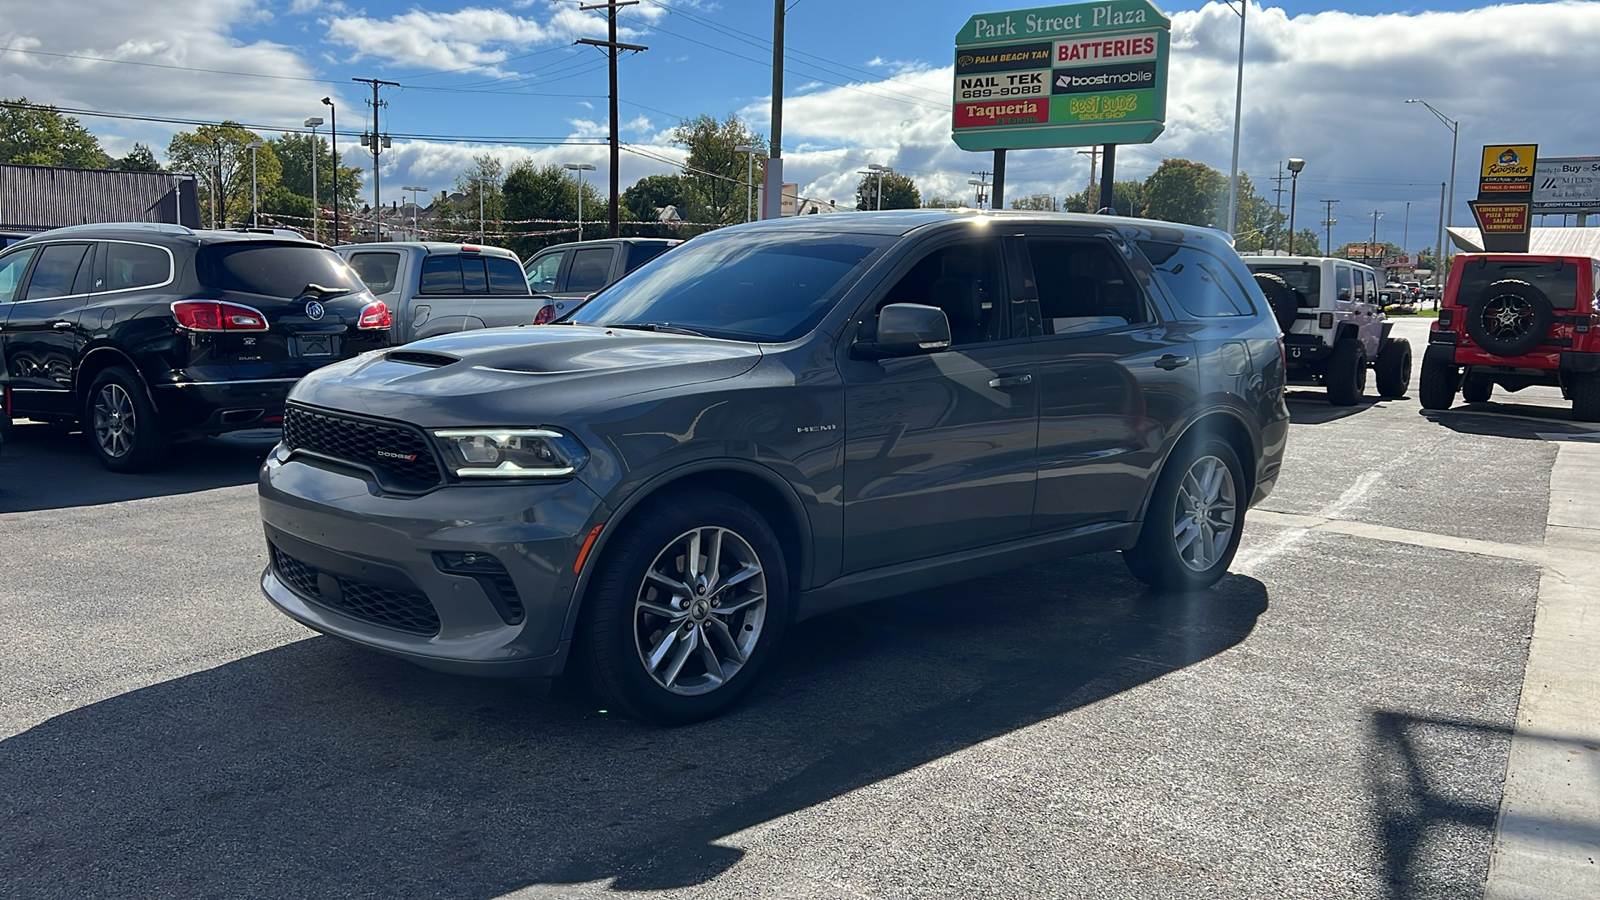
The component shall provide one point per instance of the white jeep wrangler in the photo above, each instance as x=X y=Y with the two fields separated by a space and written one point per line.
x=1333 y=325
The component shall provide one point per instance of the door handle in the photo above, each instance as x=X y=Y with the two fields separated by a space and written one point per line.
x=61 y=325
x=1010 y=381
x=1170 y=362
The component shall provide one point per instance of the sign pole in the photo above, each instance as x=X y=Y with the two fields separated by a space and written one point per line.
x=997 y=192
x=1107 y=174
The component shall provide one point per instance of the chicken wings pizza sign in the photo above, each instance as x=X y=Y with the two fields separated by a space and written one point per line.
x=1062 y=76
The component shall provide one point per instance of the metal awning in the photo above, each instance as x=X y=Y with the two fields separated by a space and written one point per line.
x=1545 y=241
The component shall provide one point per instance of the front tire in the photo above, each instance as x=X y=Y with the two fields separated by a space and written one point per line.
x=1476 y=389
x=1586 y=398
x=685 y=609
x=1191 y=530
x=1439 y=384
x=1394 y=368
x=121 y=424
x=1346 y=374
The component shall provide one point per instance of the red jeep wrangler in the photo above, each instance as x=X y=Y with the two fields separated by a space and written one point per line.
x=1515 y=319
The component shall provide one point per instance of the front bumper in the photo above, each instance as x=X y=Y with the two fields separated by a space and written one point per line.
x=354 y=540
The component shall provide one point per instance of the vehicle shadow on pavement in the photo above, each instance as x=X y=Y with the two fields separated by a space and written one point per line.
x=44 y=467
x=1313 y=408
x=317 y=769
x=1509 y=420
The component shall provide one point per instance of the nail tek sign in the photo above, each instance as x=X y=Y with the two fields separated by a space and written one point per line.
x=1062 y=76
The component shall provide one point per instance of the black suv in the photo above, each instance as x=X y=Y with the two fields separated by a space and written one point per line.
x=772 y=421
x=147 y=334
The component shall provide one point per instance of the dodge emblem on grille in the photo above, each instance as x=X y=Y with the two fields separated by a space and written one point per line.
x=314 y=310
x=390 y=454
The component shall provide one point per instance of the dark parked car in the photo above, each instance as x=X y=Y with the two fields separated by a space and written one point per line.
x=563 y=276
x=773 y=421
x=147 y=334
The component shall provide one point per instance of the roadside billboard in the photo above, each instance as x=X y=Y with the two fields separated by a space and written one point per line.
x=1062 y=76
x=1567 y=184
x=1505 y=196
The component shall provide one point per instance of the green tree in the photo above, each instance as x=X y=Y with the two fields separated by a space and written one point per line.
x=1045 y=202
x=479 y=187
x=1183 y=191
x=714 y=170
x=899 y=191
x=645 y=199
x=139 y=159
x=1256 y=221
x=220 y=156
x=1307 y=242
x=1127 y=198
x=548 y=192
x=41 y=136
x=292 y=197
x=944 y=203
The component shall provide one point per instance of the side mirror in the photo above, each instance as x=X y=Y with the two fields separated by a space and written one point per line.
x=907 y=329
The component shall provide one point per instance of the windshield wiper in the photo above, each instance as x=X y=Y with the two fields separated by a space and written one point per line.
x=314 y=288
x=660 y=327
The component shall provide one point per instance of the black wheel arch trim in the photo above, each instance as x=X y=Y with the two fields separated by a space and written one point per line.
x=611 y=517
x=80 y=386
x=1252 y=473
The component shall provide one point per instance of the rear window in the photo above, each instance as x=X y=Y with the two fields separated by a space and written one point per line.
x=1558 y=280
x=505 y=276
x=378 y=270
x=591 y=267
x=639 y=254
x=744 y=286
x=273 y=270
x=1305 y=281
x=447 y=274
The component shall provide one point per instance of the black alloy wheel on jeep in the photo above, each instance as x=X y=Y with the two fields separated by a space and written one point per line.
x=1510 y=317
x=1440 y=381
x=1394 y=368
x=1280 y=297
x=1346 y=374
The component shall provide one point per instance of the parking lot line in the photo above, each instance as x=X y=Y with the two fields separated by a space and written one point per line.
x=1547 y=835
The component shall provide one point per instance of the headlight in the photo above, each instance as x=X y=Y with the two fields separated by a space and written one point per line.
x=511 y=452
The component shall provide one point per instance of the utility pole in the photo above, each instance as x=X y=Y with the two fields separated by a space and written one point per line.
x=980 y=187
x=1405 y=233
x=611 y=46
x=377 y=143
x=216 y=195
x=1278 y=205
x=773 y=179
x=1376 y=215
x=1094 y=166
x=1327 y=223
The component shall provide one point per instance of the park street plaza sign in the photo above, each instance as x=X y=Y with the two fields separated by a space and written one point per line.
x=1062 y=76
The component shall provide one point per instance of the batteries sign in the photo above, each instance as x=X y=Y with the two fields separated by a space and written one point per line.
x=1062 y=76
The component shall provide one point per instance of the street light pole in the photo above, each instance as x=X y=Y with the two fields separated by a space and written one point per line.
x=878 y=170
x=580 y=168
x=333 y=147
x=1295 y=165
x=415 y=231
x=1238 y=107
x=1455 y=140
x=749 y=178
x=316 y=215
x=255 y=221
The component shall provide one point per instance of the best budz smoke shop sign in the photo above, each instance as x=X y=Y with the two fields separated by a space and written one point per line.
x=1062 y=76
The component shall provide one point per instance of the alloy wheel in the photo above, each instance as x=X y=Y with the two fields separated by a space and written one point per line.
x=115 y=420
x=1206 y=512
x=1507 y=317
x=700 y=611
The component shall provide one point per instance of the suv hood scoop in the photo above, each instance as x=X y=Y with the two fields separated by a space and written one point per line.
x=576 y=349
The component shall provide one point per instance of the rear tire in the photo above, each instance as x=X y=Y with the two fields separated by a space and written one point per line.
x=1476 y=389
x=685 y=609
x=1586 y=398
x=1394 y=368
x=1439 y=384
x=1191 y=530
x=1346 y=374
x=121 y=424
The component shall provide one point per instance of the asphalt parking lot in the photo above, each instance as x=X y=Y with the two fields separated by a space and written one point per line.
x=1335 y=719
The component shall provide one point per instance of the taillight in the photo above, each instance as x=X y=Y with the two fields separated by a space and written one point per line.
x=1447 y=317
x=215 y=315
x=546 y=313
x=1325 y=320
x=375 y=315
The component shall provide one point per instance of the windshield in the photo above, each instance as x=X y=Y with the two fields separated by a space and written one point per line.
x=274 y=270
x=748 y=286
x=1306 y=281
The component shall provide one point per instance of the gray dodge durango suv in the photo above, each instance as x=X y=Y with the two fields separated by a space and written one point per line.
x=773 y=421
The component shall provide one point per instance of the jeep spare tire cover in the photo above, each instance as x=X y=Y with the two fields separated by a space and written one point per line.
x=1510 y=317
x=1280 y=297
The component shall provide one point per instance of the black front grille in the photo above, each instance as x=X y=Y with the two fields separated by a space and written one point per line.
x=400 y=454
x=400 y=610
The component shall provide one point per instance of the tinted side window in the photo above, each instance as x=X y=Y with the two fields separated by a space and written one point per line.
x=135 y=265
x=1082 y=286
x=272 y=270
x=505 y=276
x=1343 y=284
x=11 y=269
x=441 y=275
x=377 y=270
x=58 y=266
x=474 y=278
x=1372 y=285
x=965 y=281
x=639 y=254
x=590 y=269
x=1198 y=281
x=543 y=270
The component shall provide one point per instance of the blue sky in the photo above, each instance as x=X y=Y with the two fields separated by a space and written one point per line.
x=865 y=82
